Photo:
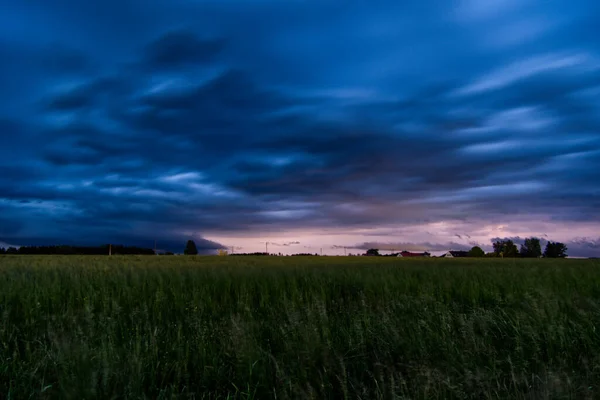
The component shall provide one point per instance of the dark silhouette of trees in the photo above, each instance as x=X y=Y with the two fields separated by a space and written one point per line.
x=190 y=248
x=555 y=250
x=511 y=250
x=531 y=248
x=498 y=247
x=79 y=250
x=372 y=252
x=502 y=248
x=476 y=251
x=505 y=248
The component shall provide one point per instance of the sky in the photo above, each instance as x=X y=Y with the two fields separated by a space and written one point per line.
x=310 y=125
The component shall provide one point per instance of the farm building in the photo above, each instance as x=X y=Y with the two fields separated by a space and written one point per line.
x=459 y=253
x=450 y=254
x=441 y=254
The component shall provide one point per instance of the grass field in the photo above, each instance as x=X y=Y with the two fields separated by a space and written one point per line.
x=322 y=327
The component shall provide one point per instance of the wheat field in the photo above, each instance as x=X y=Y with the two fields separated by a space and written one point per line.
x=194 y=327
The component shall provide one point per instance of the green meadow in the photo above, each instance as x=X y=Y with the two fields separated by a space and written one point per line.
x=195 y=327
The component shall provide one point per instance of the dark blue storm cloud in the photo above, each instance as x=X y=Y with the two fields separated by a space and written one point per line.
x=128 y=121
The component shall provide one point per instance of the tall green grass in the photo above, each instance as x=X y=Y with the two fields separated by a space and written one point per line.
x=322 y=327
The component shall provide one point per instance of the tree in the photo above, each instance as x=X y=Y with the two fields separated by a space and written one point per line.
x=372 y=252
x=498 y=247
x=476 y=251
x=190 y=248
x=505 y=248
x=12 y=250
x=555 y=250
x=531 y=248
x=2 y=250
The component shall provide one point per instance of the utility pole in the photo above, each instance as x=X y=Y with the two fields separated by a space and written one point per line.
x=344 y=250
x=155 y=253
x=321 y=251
x=110 y=249
x=266 y=247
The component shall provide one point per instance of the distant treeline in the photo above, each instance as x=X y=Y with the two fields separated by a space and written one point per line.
x=531 y=248
x=78 y=250
x=251 y=254
x=273 y=254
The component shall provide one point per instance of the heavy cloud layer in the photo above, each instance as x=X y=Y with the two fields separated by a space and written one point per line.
x=198 y=119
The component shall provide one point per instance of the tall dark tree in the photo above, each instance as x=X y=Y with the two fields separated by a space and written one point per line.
x=505 y=248
x=476 y=251
x=2 y=250
x=12 y=250
x=372 y=252
x=531 y=248
x=555 y=250
x=498 y=244
x=190 y=248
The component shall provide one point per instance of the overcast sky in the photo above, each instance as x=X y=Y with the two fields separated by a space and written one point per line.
x=422 y=125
